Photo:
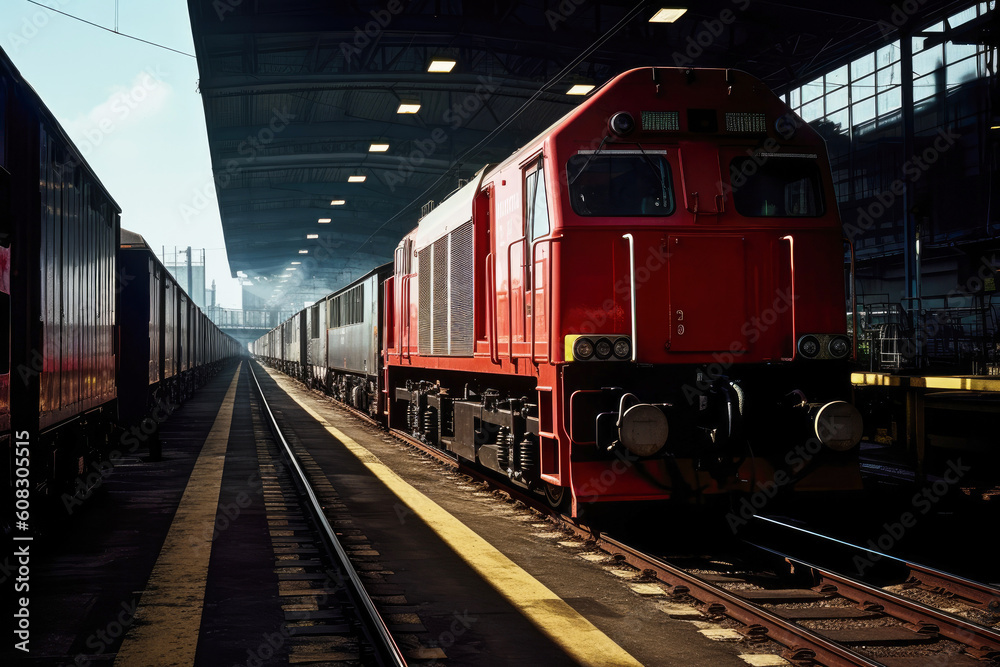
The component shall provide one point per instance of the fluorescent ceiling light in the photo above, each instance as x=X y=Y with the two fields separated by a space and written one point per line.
x=667 y=15
x=580 y=89
x=312 y=236
x=441 y=65
x=303 y=252
x=338 y=202
x=378 y=148
x=296 y=262
x=356 y=179
x=324 y=221
x=408 y=107
x=292 y=268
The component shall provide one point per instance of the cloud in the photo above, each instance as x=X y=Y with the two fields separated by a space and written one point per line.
x=145 y=97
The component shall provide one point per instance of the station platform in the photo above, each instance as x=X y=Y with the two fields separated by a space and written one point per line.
x=928 y=414
x=177 y=562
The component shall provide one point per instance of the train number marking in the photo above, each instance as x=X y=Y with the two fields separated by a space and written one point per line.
x=680 y=329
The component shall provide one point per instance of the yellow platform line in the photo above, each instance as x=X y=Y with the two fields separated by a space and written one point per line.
x=165 y=627
x=566 y=627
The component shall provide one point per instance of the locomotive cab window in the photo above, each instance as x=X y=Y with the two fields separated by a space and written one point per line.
x=777 y=187
x=620 y=184
x=536 y=218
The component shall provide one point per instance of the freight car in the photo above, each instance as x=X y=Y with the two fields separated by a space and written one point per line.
x=63 y=379
x=60 y=234
x=644 y=302
x=161 y=361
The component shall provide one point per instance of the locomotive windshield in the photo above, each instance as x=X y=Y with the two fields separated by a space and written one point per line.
x=776 y=186
x=620 y=183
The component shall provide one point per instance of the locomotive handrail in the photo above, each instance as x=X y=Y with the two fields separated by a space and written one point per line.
x=631 y=283
x=510 y=303
x=404 y=284
x=791 y=261
x=548 y=297
x=491 y=291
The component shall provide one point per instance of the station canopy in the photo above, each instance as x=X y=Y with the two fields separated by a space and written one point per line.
x=332 y=124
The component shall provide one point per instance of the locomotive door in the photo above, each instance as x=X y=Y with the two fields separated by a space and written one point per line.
x=537 y=251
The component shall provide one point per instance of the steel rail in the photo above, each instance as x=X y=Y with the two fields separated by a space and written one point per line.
x=973 y=592
x=800 y=640
x=387 y=652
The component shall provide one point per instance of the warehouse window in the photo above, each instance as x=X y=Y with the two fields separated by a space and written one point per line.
x=620 y=183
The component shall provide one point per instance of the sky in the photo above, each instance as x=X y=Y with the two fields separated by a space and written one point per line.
x=134 y=111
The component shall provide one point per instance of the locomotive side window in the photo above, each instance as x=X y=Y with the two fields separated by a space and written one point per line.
x=536 y=206
x=776 y=187
x=632 y=184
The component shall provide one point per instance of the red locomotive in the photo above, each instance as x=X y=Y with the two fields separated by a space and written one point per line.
x=644 y=302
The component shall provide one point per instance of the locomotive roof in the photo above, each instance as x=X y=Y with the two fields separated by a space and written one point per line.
x=456 y=210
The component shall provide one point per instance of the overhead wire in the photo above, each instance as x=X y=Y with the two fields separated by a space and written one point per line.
x=551 y=82
x=112 y=31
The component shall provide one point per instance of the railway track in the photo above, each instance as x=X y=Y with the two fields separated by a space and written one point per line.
x=836 y=621
x=348 y=614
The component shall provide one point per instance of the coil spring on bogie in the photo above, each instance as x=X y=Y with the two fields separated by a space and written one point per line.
x=411 y=417
x=430 y=425
x=503 y=449
x=527 y=453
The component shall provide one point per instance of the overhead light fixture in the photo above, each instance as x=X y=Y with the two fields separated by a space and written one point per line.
x=580 y=89
x=292 y=268
x=303 y=252
x=312 y=236
x=408 y=106
x=441 y=65
x=324 y=221
x=378 y=148
x=296 y=262
x=356 y=179
x=667 y=15
x=338 y=202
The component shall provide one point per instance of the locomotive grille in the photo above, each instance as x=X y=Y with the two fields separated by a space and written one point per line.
x=462 y=337
x=439 y=306
x=659 y=121
x=746 y=122
x=424 y=299
x=445 y=315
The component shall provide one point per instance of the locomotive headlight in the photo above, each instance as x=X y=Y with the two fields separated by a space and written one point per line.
x=839 y=346
x=602 y=348
x=622 y=123
x=583 y=349
x=809 y=346
x=622 y=348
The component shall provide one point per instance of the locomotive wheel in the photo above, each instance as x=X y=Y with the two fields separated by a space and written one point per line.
x=556 y=496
